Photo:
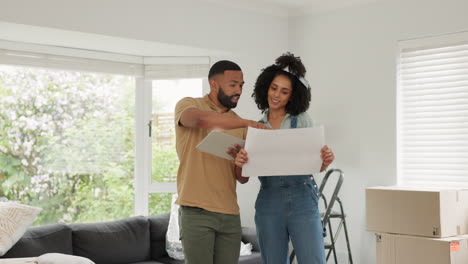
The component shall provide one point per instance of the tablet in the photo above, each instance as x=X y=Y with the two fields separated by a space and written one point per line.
x=217 y=143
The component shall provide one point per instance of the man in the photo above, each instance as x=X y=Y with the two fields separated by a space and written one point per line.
x=209 y=215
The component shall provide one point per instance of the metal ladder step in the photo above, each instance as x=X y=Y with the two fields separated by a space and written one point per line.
x=333 y=214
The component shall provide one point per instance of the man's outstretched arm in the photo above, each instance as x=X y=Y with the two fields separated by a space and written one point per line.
x=196 y=118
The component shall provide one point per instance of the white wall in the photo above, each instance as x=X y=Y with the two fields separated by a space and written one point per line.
x=350 y=56
x=253 y=40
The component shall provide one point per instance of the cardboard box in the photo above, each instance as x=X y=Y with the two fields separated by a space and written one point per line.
x=401 y=249
x=426 y=212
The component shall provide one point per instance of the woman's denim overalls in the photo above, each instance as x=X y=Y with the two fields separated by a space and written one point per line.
x=287 y=208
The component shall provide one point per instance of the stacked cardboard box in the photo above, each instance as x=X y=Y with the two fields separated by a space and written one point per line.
x=418 y=225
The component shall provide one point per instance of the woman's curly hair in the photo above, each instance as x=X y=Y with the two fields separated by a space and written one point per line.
x=300 y=96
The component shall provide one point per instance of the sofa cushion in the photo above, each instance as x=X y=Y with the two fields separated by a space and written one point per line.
x=43 y=239
x=57 y=258
x=158 y=230
x=115 y=242
x=15 y=218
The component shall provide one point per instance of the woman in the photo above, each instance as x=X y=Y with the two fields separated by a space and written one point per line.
x=287 y=206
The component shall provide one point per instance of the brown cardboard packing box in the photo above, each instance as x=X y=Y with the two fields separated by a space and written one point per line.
x=427 y=212
x=401 y=249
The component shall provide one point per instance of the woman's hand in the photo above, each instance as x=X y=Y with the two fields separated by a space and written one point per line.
x=241 y=158
x=327 y=157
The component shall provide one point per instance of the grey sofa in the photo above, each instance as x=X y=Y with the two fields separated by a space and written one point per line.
x=135 y=240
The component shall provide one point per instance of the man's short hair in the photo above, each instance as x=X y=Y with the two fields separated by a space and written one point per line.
x=221 y=66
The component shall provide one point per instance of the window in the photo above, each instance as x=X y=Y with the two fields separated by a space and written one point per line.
x=91 y=139
x=165 y=163
x=166 y=93
x=432 y=117
x=67 y=142
x=167 y=81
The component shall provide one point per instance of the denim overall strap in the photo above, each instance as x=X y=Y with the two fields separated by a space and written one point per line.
x=293 y=121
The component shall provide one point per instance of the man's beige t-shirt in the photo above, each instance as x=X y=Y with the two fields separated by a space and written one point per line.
x=204 y=180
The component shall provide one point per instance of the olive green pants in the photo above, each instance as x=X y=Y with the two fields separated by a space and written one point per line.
x=208 y=237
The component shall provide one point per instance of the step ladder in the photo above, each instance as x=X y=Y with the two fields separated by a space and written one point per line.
x=329 y=214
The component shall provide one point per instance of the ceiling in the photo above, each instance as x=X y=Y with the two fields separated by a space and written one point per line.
x=290 y=7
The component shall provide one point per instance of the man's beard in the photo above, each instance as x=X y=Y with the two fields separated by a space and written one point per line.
x=225 y=100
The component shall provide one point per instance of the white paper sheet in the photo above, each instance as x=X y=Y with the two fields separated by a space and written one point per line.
x=283 y=151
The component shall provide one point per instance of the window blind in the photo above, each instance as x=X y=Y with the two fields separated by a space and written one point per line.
x=62 y=58
x=169 y=68
x=43 y=60
x=432 y=114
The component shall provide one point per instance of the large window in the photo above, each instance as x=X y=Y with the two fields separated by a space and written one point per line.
x=67 y=142
x=433 y=112
x=91 y=138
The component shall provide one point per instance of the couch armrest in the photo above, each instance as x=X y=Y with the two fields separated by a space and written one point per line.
x=249 y=235
x=39 y=240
